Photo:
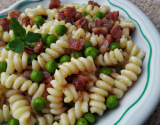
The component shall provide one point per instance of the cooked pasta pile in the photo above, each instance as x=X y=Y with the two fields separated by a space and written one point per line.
x=60 y=65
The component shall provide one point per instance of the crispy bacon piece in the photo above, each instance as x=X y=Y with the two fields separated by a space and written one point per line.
x=97 y=23
x=54 y=4
x=26 y=21
x=47 y=80
x=46 y=74
x=108 y=23
x=76 y=44
x=2 y=43
x=61 y=16
x=5 y=24
x=70 y=78
x=78 y=16
x=28 y=50
x=70 y=20
x=69 y=12
x=113 y=15
x=14 y=14
x=79 y=82
x=38 y=47
x=45 y=92
x=105 y=45
x=102 y=30
x=93 y=4
x=82 y=23
x=116 y=32
x=26 y=74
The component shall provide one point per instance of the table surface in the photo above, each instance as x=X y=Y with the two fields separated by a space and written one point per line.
x=152 y=9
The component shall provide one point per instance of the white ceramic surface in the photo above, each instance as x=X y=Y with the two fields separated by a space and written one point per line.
x=142 y=98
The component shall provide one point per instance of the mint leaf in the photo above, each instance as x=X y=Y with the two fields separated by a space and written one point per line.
x=17 y=45
x=18 y=30
x=32 y=37
x=27 y=44
x=31 y=57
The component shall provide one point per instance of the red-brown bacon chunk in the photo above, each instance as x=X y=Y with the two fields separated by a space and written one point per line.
x=61 y=16
x=108 y=23
x=45 y=92
x=14 y=14
x=102 y=30
x=2 y=43
x=38 y=47
x=97 y=23
x=70 y=78
x=78 y=16
x=79 y=82
x=116 y=32
x=69 y=12
x=26 y=74
x=5 y=24
x=113 y=15
x=47 y=77
x=105 y=45
x=28 y=50
x=82 y=23
x=76 y=44
x=93 y=4
x=26 y=21
x=54 y=4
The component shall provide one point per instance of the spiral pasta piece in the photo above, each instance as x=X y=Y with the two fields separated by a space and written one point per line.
x=19 y=106
x=47 y=119
x=98 y=93
x=109 y=58
x=5 y=115
x=90 y=75
x=128 y=75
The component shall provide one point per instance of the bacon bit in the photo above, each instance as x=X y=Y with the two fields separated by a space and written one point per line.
x=26 y=74
x=14 y=14
x=70 y=78
x=82 y=23
x=47 y=80
x=69 y=12
x=45 y=92
x=80 y=81
x=5 y=23
x=105 y=45
x=61 y=16
x=78 y=16
x=46 y=74
x=54 y=4
x=2 y=43
x=76 y=44
x=116 y=32
x=108 y=23
x=28 y=50
x=70 y=20
x=113 y=15
x=38 y=47
x=97 y=23
x=26 y=21
x=98 y=31
x=93 y=4
x=117 y=40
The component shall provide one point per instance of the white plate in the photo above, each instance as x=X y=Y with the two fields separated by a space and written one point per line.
x=142 y=98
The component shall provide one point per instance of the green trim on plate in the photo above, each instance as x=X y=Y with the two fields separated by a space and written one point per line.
x=149 y=61
x=20 y=6
x=28 y=2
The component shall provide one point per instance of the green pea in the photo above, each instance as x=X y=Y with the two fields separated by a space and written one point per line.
x=112 y=101
x=99 y=15
x=90 y=117
x=51 y=39
x=11 y=39
x=113 y=46
x=44 y=37
x=105 y=70
x=118 y=69
x=51 y=66
x=65 y=58
x=39 y=103
x=36 y=76
x=77 y=54
x=86 y=45
x=3 y=66
x=71 y=104
x=91 y=51
x=61 y=30
x=31 y=57
x=39 y=20
x=84 y=14
x=7 y=47
x=82 y=121
x=13 y=121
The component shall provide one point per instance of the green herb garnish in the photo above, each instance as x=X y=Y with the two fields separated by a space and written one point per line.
x=32 y=37
x=17 y=45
